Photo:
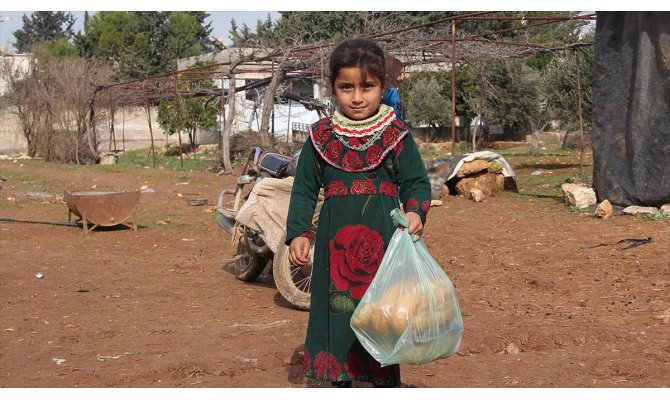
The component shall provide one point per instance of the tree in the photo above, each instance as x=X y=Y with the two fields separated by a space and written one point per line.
x=57 y=102
x=426 y=104
x=560 y=88
x=43 y=26
x=145 y=43
x=60 y=48
x=245 y=37
x=318 y=26
x=187 y=114
x=186 y=35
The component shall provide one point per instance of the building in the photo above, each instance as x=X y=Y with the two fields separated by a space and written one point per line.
x=288 y=115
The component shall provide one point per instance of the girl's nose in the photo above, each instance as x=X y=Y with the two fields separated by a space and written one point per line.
x=358 y=96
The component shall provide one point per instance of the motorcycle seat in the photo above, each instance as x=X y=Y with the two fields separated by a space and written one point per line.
x=274 y=164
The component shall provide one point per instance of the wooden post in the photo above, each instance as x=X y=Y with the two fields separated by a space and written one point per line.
x=178 y=108
x=222 y=122
x=453 y=87
x=581 y=121
x=112 y=136
x=152 y=150
x=288 y=124
x=123 y=130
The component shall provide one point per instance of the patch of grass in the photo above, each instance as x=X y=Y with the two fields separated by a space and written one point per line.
x=200 y=161
x=575 y=210
x=8 y=205
x=543 y=184
x=154 y=219
x=653 y=217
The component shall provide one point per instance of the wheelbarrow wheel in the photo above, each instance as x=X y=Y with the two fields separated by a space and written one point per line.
x=248 y=267
x=293 y=282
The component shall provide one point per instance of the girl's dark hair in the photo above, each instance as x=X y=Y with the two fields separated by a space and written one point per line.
x=362 y=53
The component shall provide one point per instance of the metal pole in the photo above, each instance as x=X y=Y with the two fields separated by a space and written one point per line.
x=453 y=87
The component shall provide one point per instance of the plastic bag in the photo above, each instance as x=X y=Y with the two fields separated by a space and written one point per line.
x=409 y=313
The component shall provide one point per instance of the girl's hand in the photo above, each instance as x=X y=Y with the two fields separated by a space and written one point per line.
x=298 y=251
x=415 y=224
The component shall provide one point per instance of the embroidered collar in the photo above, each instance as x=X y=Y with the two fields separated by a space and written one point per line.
x=363 y=151
x=344 y=126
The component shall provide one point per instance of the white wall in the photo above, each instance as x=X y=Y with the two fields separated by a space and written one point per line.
x=12 y=140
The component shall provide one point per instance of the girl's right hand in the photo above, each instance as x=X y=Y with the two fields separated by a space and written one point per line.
x=298 y=251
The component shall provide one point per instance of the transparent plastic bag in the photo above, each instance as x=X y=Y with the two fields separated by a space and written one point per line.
x=409 y=313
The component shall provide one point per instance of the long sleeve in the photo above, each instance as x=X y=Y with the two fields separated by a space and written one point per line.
x=414 y=186
x=392 y=98
x=304 y=193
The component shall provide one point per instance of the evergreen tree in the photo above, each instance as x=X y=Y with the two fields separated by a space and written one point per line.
x=43 y=26
x=145 y=43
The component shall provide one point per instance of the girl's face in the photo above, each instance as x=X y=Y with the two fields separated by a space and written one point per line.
x=357 y=98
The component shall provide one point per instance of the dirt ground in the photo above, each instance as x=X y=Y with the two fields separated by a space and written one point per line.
x=160 y=306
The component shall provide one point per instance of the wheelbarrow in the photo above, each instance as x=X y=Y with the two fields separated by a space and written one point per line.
x=103 y=208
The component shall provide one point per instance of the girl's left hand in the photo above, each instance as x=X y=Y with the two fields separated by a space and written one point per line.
x=415 y=224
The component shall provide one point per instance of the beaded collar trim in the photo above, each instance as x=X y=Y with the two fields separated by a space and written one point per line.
x=344 y=126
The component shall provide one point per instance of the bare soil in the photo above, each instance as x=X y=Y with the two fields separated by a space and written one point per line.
x=160 y=306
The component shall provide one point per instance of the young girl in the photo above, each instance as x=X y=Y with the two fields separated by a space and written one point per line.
x=395 y=73
x=365 y=160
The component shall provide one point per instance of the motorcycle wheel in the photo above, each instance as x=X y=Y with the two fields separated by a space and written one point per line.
x=293 y=282
x=247 y=267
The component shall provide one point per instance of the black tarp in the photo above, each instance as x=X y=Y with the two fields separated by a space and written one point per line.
x=631 y=108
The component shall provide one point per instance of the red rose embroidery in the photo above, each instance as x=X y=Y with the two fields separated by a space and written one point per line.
x=355 y=254
x=306 y=362
x=333 y=366
x=411 y=204
x=390 y=136
x=388 y=188
x=333 y=150
x=355 y=141
x=351 y=161
x=425 y=207
x=321 y=363
x=363 y=186
x=336 y=188
x=321 y=135
x=353 y=366
x=373 y=155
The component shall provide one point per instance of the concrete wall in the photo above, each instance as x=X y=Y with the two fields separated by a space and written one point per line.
x=12 y=140
x=131 y=127
x=131 y=131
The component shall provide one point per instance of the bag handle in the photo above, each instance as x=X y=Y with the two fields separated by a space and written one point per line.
x=399 y=218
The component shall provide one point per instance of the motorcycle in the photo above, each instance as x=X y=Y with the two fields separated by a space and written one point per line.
x=257 y=224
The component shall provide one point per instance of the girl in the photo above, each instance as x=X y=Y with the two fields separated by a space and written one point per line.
x=395 y=72
x=365 y=160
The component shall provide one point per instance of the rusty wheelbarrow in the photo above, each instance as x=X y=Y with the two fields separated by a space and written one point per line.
x=103 y=208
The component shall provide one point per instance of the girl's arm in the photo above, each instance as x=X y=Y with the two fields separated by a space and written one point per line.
x=414 y=186
x=304 y=194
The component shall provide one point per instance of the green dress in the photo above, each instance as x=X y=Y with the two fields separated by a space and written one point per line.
x=365 y=168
